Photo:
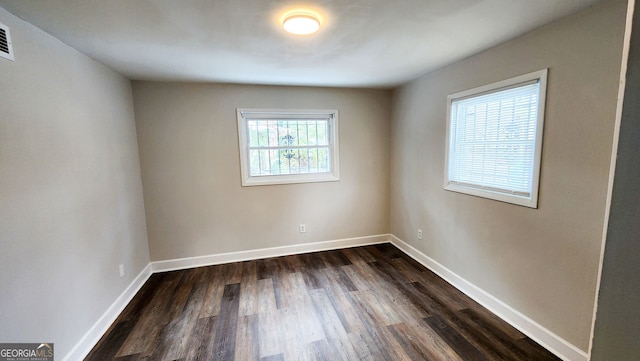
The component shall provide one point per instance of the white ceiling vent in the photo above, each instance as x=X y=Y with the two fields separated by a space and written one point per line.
x=6 y=50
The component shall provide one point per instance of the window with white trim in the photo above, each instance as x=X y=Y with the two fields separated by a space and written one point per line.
x=288 y=146
x=494 y=140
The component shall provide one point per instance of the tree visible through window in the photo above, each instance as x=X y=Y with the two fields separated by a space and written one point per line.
x=288 y=146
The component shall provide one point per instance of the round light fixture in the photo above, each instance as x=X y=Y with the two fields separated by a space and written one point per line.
x=301 y=23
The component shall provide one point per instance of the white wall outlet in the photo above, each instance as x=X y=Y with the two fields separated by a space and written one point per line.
x=419 y=234
x=303 y=228
x=121 y=269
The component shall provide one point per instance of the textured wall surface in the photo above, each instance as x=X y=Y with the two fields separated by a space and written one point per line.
x=71 y=205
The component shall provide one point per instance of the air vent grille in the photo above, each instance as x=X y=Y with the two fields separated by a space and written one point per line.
x=6 y=50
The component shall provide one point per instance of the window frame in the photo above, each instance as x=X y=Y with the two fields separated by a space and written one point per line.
x=245 y=114
x=515 y=82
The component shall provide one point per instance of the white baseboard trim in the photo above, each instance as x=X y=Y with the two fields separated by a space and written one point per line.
x=220 y=258
x=91 y=338
x=552 y=342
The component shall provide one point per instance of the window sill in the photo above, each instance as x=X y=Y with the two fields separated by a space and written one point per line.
x=289 y=179
x=502 y=197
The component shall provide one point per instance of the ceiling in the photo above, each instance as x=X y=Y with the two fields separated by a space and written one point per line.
x=362 y=43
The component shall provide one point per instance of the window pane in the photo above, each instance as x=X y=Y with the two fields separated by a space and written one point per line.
x=271 y=133
x=274 y=165
x=263 y=134
x=290 y=161
x=303 y=160
x=323 y=138
x=255 y=162
x=259 y=161
x=303 y=133
x=323 y=159
x=313 y=160
x=252 y=130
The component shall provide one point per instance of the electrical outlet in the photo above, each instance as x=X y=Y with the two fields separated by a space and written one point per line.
x=419 y=234
x=121 y=269
x=303 y=228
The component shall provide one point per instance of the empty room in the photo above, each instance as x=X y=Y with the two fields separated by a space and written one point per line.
x=319 y=180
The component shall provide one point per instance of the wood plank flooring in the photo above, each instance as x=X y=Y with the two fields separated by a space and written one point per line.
x=363 y=303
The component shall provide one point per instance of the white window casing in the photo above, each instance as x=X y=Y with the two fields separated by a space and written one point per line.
x=283 y=146
x=494 y=139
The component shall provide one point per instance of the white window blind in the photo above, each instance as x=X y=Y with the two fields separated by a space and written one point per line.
x=495 y=139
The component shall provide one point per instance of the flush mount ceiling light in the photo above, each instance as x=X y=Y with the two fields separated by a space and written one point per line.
x=301 y=22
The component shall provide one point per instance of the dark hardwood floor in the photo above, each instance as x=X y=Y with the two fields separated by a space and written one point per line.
x=364 y=303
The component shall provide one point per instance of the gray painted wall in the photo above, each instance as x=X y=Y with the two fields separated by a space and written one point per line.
x=194 y=201
x=71 y=206
x=542 y=262
x=617 y=328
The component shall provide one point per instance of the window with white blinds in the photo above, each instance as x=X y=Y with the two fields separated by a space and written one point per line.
x=494 y=140
x=288 y=146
